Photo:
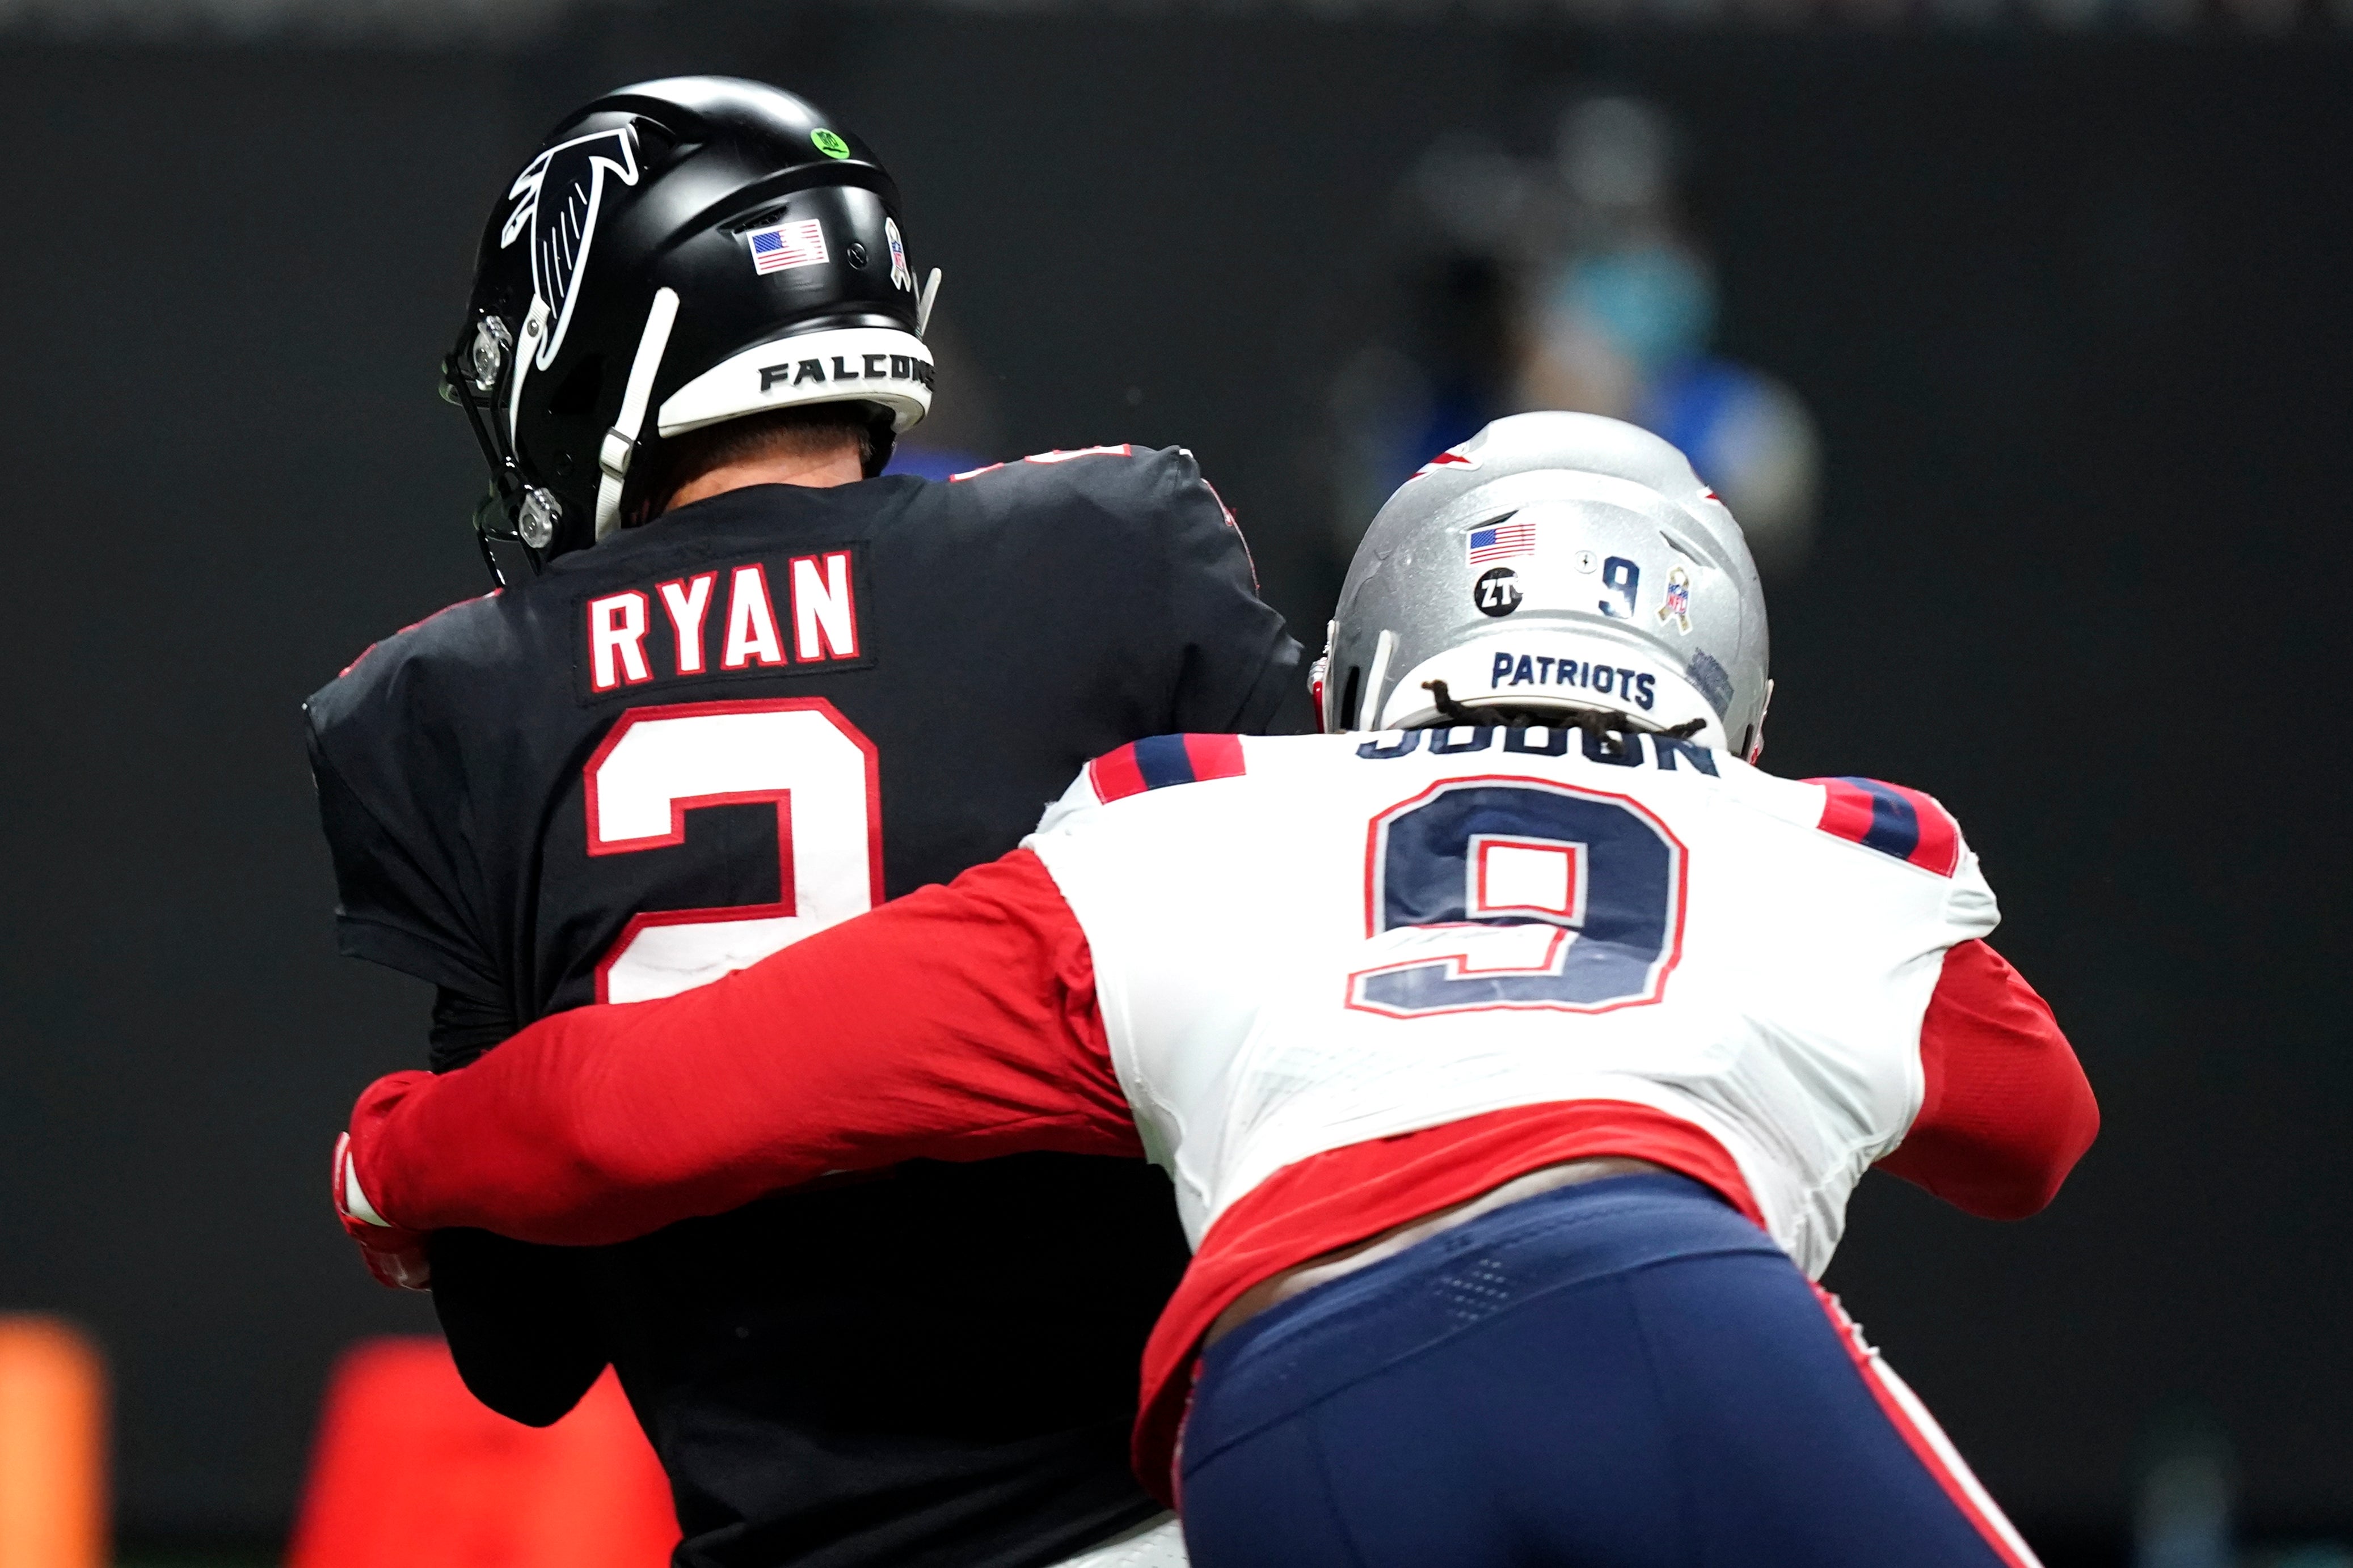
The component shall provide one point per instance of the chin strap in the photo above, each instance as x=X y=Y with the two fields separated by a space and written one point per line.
x=1612 y=731
x=924 y=307
x=526 y=360
x=620 y=443
x=1368 y=715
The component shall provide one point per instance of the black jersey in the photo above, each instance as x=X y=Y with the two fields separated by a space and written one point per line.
x=692 y=745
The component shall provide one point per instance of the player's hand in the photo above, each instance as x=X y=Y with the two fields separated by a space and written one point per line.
x=395 y=1257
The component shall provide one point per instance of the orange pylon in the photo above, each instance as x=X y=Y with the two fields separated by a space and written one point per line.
x=409 y=1469
x=53 y=1492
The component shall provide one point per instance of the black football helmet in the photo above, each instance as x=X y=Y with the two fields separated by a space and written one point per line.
x=679 y=253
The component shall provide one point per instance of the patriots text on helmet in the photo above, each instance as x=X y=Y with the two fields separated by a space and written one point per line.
x=1638 y=688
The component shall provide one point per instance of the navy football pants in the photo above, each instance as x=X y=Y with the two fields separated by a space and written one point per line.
x=1621 y=1375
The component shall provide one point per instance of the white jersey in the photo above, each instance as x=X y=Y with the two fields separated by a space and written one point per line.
x=1323 y=940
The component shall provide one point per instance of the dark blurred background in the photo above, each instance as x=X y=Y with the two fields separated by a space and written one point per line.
x=2024 y=333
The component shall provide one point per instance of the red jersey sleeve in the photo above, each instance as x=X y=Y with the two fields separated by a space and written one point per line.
x=958 y=1023
x=2006 y=1110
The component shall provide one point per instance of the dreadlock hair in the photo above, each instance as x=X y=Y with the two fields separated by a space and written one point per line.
x=1612 y=731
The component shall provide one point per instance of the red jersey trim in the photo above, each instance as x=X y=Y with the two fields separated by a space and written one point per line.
x=1163 y=760
x=1928 y=1440
x=1905 y=823
x=1058 y=455
x=1344 y=1196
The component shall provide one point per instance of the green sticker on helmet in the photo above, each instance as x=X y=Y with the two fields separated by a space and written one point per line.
x=830 y=144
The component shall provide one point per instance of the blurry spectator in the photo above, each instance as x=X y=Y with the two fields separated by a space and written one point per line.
x=2182 y=1516
x=1445 y=370
x=1568 y=283
x=1621 y=318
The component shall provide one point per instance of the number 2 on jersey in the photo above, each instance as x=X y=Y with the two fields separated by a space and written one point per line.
x=1518 y=892
x=658 y=763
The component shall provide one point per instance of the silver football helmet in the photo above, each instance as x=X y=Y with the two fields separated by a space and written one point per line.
x=1558 y=563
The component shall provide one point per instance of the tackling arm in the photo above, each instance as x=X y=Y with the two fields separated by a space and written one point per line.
x=958 y=1023
x=2006 y=1110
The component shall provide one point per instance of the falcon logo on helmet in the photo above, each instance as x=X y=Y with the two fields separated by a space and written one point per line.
x=562 y=229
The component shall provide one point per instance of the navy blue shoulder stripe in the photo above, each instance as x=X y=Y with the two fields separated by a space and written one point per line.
x=1164 y=760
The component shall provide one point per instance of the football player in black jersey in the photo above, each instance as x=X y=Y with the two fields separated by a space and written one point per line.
x=750 y=689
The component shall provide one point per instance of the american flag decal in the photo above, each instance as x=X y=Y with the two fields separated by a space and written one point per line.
x=1501 y=541
x=783 y=246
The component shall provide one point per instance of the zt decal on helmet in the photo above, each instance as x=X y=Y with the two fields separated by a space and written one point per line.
x=1497 y=592
x=563 y=228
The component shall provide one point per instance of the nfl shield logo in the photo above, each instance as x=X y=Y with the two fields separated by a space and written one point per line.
x=899 y=276
x=1678 y=606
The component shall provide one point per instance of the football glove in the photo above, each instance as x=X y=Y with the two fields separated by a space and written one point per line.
x=395 y=1257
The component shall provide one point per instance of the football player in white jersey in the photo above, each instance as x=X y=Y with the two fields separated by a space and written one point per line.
x=1513 y=1050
